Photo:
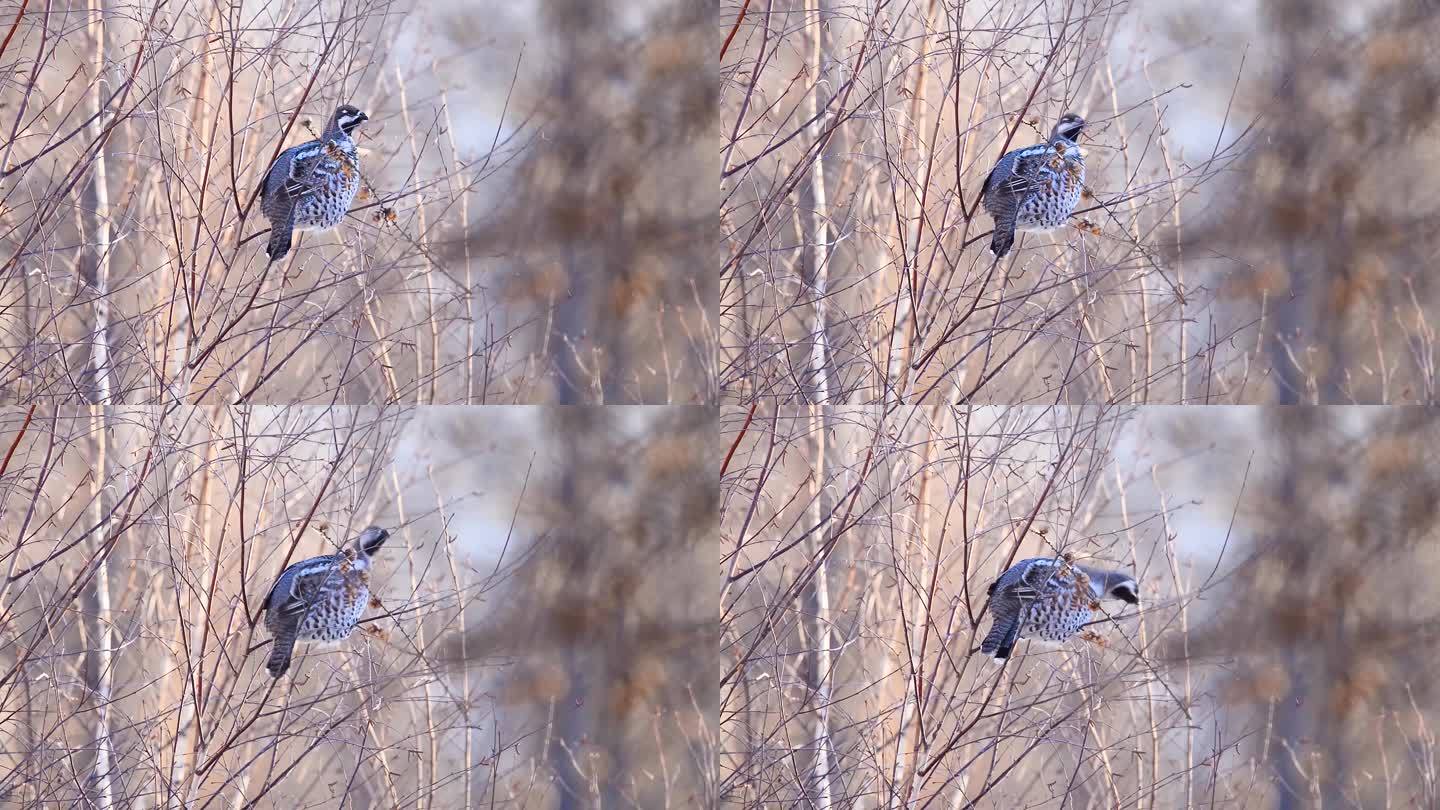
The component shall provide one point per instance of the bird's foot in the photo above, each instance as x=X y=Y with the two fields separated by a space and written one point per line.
x=1093 y=637
x=1086 y=226
x=375 y=631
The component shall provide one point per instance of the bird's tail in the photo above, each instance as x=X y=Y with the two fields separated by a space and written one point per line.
x=1000 y=641
x=283 y=649
x=1002 y=240
x=279 y=243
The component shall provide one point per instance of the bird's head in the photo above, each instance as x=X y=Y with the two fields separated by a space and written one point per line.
x=1126 y=592
x=371 y=540
x=1069 y=127
x=1112 y=584
x=1120 y=586
x=348 y=117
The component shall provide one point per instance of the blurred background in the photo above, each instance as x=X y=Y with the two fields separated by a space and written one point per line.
x=534 y=640
x=1280 y=656
x=1259 y=228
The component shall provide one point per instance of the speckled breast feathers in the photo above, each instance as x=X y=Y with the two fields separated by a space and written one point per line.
x=1050 y=599
x=1036 y=188
x=320 y=599
x=312 y=185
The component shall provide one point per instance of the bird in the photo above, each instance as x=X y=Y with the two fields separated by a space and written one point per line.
x=1037 y=187
x=320 y=599
x=310 y=186
x=1049 y=599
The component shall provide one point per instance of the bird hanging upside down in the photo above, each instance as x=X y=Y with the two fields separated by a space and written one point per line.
x=1050 y=600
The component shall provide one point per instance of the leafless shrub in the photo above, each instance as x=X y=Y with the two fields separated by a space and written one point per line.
x=517 y=239
x=855 y=588
x=906 y=417
x=1280 y=655
x=139 y=548
x=859 y=137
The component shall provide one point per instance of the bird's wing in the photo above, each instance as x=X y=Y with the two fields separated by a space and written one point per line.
x=292 y=168
x=1024 y=580
x=1014 y=174
x=298 y=586
x=999 y=171
x=1006 y=603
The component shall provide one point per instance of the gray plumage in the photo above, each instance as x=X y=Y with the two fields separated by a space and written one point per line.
x=1049 y=599
x=320 y=599
x=1036 y=188
x=310 y=186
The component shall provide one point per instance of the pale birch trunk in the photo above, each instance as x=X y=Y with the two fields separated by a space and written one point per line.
x=818 y=598
x=99 y=280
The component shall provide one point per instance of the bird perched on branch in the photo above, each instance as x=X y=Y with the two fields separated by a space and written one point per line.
x=1049 y=599
x=320 y=599
x=311 y=186
x=1036 y=188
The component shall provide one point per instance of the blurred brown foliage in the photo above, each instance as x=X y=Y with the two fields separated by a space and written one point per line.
x=1332 y=625
x=613 y=219
x=613 y=627
x=1334 y=215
